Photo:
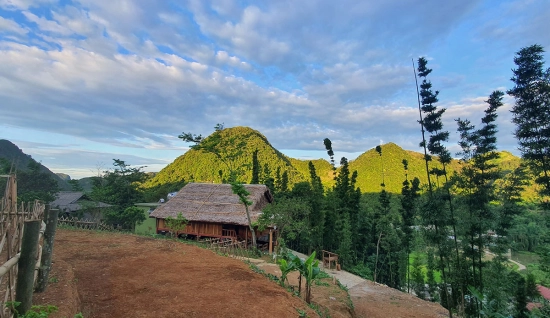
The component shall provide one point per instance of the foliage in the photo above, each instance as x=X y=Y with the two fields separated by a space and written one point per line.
x=532 y=112
x=177 y=224
x=289 y=215
x=286 y=265
x=127 y=219
x=309 y=269
x=120 y=188
x=37 y=311
x=32 y=183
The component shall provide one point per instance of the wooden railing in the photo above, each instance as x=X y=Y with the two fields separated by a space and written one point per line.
x=229 y=233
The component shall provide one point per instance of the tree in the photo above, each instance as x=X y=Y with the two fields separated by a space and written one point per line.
x=176 y=225
x=476 y=183
x=409 y=197
x=120 y=188
x=75 y=185
x=32 y=184
x=290 y=215
x=255 y=168
x=128 y=218
x=242 y=193
x=531 y=113
x=435 y=214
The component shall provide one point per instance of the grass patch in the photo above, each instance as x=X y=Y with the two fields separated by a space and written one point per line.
x=525 y=258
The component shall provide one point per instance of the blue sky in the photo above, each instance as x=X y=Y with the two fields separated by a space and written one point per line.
x=83 y=82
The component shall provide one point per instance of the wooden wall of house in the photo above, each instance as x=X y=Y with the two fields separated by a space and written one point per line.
x=216 y=229
x=204 y=229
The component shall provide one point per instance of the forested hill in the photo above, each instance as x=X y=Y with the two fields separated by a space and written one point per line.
x=370 y=166
x=10 y=153
x=198 y=166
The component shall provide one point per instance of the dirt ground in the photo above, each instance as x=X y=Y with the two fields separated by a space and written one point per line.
x=325 y=293
x=379 y=301
x=116 y=275
x=120 y=275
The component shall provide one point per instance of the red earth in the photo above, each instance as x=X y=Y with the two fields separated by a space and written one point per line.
x=103 y=274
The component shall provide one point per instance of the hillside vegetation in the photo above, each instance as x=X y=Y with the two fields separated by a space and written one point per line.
x=198 y=166
x=13 y=155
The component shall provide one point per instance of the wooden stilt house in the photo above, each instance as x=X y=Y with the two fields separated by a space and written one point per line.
x=214 y=211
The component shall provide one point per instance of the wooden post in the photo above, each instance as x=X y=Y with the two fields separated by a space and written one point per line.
x=25 y=268
x=47 y=249
x=271 y=233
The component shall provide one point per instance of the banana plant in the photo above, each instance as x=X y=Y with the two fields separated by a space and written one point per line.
x=310 y=271
x=285 y=267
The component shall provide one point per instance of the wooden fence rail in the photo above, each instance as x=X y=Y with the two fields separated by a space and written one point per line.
x=84 y=224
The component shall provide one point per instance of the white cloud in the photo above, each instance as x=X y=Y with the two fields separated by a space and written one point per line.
x=296 y=71
x=7 y=25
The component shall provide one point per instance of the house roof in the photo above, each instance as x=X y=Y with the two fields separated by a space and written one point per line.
x=216 y=203
x=544 y=291
x=67 y=201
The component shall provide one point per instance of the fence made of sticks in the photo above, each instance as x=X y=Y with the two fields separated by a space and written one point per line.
x=227 y=246
x=84 y=224
x=21 y=232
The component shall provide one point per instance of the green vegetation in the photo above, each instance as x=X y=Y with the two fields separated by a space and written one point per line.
x=176 y=225
x=33 y=183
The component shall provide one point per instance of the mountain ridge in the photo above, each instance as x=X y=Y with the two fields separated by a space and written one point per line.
x=13 y=154
x=197 y=166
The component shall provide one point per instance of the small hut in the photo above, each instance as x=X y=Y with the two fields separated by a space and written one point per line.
x=72 y=203
x=214 y=211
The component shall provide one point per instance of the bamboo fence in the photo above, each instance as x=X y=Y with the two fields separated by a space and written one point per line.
x=12 y=219
x=84 y=224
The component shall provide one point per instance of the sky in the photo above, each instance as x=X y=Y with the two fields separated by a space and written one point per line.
x=84 y=82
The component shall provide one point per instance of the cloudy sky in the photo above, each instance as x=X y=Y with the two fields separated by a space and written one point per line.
x=86 y=81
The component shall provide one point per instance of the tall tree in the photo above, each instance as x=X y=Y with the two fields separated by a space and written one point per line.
x=435 y=213
x=409 y=197
x=476 y=181
x=531 y=113
x=255 y=168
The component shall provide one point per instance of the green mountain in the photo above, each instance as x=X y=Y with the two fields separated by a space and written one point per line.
x=373 y=169
x=10 y=153
x=199 y=166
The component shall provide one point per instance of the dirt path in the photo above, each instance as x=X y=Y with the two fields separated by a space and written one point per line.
x=117 y=275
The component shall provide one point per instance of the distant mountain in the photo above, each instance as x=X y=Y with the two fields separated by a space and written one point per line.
x=64 y=176
x=12 y=154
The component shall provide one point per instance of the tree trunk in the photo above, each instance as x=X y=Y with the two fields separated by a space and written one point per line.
x=250 y=226
x=376 y=262
x=300 y=285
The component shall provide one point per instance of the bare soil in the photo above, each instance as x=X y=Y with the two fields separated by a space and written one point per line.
x=379 y=301
x=117 y=275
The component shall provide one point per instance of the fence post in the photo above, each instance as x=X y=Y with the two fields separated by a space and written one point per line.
x=47 y=249
x=26 y=265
